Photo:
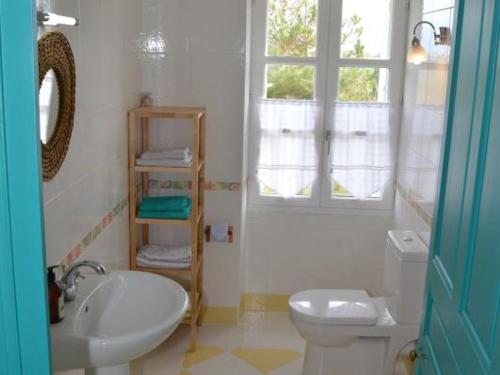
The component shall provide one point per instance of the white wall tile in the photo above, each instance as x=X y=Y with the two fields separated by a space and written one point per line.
x=423 y=116
x=405 y=217
x=93 y=177
x=201 y=62
x=285 y=253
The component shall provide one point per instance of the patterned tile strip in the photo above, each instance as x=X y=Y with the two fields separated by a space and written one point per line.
x=92 y=235
x=186 y=185
x=412 y=199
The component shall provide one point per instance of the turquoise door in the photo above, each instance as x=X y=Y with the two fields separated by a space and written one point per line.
x=24 y=344
x=461 y=330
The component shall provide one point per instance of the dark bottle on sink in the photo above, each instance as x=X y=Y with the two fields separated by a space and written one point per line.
x=56 y=297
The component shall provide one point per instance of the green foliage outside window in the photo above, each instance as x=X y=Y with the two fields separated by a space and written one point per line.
x=292 y=26
x=292 y=31
x=356 y=84
x=290 y=82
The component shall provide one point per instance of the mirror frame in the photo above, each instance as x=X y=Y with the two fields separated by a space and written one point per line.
x=54 y=53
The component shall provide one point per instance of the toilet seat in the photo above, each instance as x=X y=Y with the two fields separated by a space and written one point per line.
x=343 y=307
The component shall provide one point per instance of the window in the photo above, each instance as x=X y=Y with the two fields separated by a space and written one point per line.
x=326 y=91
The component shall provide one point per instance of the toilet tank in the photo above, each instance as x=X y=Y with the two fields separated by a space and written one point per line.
x=405 y=267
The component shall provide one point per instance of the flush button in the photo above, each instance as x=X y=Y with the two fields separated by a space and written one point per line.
x=407 y=239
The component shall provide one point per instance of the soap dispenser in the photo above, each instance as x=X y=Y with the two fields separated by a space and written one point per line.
x=56 y=297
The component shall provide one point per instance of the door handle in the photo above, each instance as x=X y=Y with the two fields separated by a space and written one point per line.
x=415 y=354
x=328 y=140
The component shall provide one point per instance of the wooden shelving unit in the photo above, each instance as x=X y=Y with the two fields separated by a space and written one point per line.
x=139 y=118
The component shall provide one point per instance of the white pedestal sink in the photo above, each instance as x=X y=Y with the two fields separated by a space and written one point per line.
x=116 y=318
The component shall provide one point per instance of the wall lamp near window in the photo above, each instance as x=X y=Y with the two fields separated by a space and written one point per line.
x=417 y=54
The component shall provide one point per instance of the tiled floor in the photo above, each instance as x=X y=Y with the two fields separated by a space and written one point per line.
x=262 y=343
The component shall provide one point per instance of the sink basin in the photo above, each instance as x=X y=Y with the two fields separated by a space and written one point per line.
x=114 y=319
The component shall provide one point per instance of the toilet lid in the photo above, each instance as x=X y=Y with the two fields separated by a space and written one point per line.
x=334 y=306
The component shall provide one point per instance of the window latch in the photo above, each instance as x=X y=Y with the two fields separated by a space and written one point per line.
x=328 y=140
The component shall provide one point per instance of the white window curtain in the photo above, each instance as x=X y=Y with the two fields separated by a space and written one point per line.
x=288 y=158
x=361 y=158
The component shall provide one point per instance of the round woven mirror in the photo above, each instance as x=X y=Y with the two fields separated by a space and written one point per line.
x=56 y=100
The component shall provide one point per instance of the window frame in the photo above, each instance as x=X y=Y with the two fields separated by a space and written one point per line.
x=328 y=62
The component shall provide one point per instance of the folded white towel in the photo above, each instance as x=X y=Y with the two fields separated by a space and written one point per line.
x=175 y=261
x=165 y=253
x=156 y=264
x=172 y=153
x=174 y=163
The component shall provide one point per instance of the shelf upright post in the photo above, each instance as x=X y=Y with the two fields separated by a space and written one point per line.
x=132 y=190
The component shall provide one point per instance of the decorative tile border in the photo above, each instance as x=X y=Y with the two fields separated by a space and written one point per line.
x=222 y=186
x=186 y=185
x=412 y=199
x=92 y=235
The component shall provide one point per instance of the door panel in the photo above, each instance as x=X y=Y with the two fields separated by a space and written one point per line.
x=460 y=330
x=9 y=355
x=24 y=342
x=459 y=140
x=495 y=119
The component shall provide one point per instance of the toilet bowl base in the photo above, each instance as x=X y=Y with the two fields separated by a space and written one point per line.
x=365 y=356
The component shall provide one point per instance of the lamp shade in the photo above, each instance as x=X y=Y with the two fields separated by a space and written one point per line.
x=417 y=54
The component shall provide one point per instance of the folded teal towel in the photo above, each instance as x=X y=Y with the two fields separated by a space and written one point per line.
x=181 y=214
x=171 y=215
x=165 y=203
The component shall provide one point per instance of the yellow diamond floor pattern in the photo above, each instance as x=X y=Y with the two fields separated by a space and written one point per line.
x=261 y=344
x=263 y=360
x=266 y=360
x=202 y=353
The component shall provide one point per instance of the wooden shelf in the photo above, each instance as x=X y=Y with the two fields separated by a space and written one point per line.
x=166 y=271
x=159 y=169
x=139 y=135
x=145 y=221
x=151 y=169
x=169 y=112
x=201 y=165
x=189 y=314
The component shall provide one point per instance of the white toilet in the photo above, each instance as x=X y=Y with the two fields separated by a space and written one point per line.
x=349 y=333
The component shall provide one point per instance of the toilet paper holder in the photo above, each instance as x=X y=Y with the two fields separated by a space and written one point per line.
x=230 y=233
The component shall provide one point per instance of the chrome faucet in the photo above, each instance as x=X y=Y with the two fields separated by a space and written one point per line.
x=72 y=276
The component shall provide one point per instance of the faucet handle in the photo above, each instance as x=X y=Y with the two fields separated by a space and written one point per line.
x=79 y=276
x=72 y=276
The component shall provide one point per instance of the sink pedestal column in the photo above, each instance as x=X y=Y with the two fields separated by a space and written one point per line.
x=113 y=370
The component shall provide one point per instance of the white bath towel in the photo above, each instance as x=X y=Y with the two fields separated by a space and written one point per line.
x=156 y=256
x=156 y=264
x=165 y=253
x=175 y=261
x=172 y=153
